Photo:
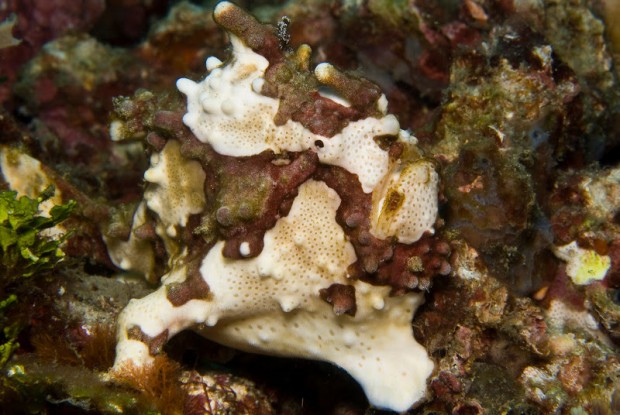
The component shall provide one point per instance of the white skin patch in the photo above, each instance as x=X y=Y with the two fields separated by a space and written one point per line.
x=244 y=249
x=271 y=304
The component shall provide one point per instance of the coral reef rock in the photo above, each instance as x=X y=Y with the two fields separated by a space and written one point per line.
x=279 y=217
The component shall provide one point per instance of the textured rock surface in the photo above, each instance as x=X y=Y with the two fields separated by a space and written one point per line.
x=514 y=104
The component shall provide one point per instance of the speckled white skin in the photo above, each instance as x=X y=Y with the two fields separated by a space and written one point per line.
x=227 y=111
x=415 y=186
x=175 y=188
x=271 y=304
x=174 y=192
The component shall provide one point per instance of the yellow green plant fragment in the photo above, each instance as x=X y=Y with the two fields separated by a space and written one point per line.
x=25 y=251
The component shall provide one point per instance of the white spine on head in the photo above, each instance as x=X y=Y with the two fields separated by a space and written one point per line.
x=227 y=111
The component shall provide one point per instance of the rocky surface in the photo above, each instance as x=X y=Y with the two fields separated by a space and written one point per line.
x=515 y=103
